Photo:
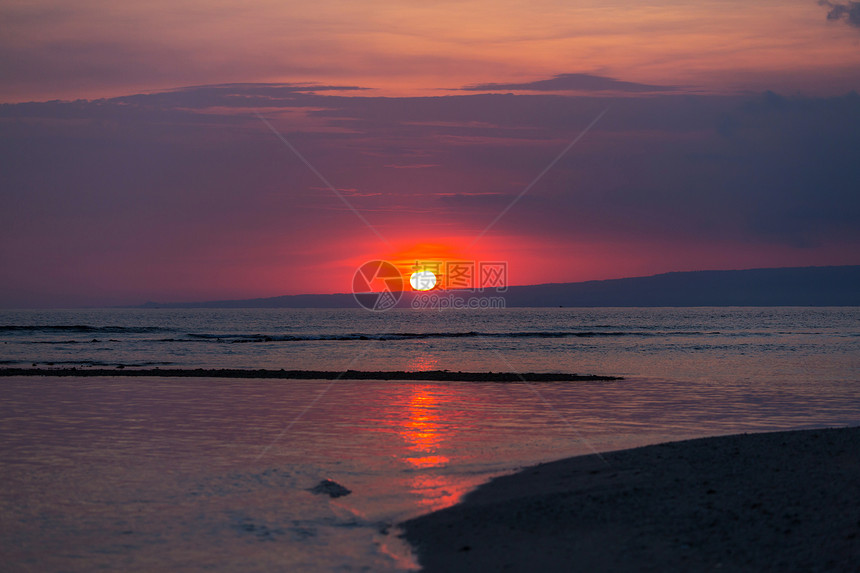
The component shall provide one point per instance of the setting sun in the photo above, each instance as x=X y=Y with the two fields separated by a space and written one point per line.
x=424 y=280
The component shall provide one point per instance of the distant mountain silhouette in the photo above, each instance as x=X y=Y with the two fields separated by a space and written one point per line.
x=799 y=286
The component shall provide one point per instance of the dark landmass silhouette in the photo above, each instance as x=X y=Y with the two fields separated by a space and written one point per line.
x=796 y=286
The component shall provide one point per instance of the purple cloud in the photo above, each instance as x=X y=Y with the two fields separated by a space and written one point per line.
x=848 y=12
x=573 y=82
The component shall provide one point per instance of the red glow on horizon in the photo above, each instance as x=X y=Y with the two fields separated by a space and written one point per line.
x=431 y=257
x=439 y=257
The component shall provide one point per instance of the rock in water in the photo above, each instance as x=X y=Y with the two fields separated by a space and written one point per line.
x=331 y=488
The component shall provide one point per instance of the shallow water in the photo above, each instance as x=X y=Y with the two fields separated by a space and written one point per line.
x=152 y=473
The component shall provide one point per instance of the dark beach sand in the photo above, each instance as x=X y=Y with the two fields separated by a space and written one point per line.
x=435 y=375
x=786 y=501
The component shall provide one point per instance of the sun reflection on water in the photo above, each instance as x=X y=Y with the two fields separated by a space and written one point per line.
x=421 y=428
x=426 y=428
x=423 y=363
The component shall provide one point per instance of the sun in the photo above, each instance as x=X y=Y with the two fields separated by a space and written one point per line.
x=423 y=280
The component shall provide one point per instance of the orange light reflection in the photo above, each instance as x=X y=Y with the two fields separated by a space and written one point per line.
x=423 y=363
x=425 y=430
x=421 y=429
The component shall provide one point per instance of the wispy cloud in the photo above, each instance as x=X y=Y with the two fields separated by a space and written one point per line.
x=411 y=165
x=348 y=191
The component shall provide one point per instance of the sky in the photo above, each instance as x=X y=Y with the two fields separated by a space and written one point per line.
x=186 y=151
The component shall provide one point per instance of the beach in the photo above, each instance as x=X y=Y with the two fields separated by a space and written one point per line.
x=783 y=501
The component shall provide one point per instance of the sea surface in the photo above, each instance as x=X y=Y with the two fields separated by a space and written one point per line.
x=157 y=473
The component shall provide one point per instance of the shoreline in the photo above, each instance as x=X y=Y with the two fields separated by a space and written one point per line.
x=429 y=375
x=780 y=501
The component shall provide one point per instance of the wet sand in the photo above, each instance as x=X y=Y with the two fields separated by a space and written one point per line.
x=786 y=501
x=434 y=375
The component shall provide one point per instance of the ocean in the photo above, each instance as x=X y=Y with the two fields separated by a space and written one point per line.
x=202 y=473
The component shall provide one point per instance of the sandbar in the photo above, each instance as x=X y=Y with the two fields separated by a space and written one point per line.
x=431 y=375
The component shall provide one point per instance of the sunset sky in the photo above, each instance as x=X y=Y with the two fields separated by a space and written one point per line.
x=137 y=163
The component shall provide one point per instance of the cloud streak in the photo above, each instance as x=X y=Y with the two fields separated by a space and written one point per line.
x=56 y=49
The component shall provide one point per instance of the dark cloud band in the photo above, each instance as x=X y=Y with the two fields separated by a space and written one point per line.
x=572 y=82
